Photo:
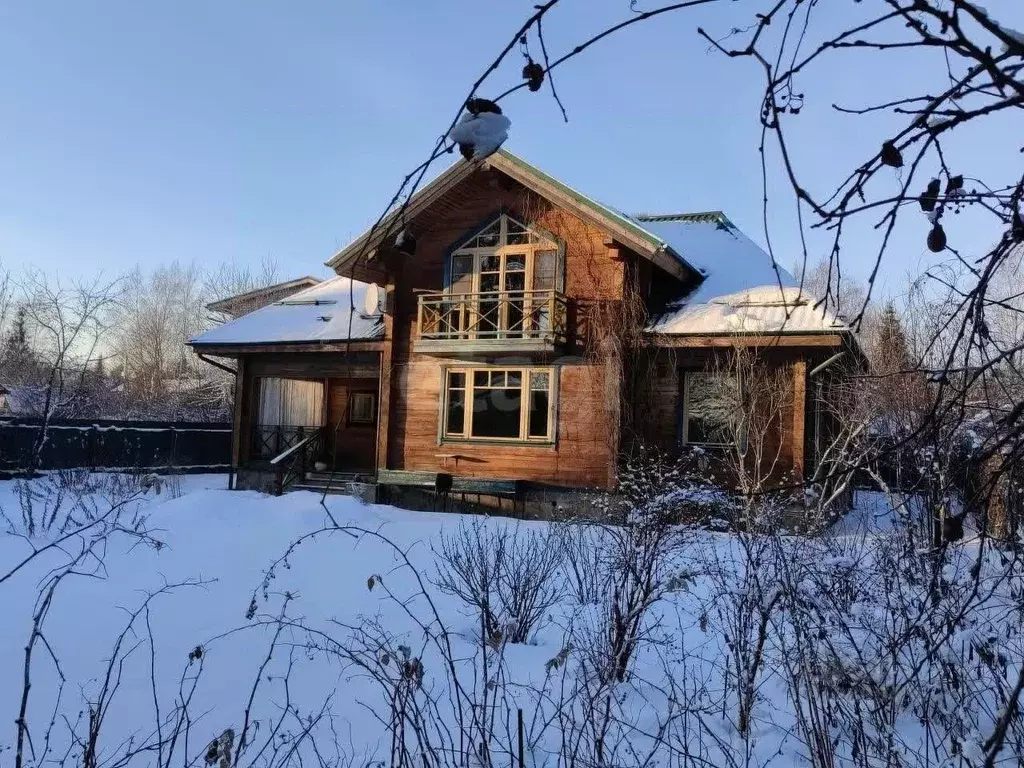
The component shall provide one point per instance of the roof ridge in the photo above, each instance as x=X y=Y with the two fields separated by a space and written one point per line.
x=319 y=287
x=266 y=289
x=717 y=217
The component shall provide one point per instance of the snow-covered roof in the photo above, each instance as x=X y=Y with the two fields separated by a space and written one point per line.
x=323 y=313
x=742 y=290
x=20 y=400
x=250 y=299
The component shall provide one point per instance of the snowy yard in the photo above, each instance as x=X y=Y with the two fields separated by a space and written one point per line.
x=324 y=658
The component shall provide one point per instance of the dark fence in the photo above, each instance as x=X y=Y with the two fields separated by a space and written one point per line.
x=101 y=444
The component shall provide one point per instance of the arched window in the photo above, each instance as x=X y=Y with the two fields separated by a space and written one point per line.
x=511 y=271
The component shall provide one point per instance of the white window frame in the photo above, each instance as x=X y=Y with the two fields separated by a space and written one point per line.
x=466 y=435
x=687 y=375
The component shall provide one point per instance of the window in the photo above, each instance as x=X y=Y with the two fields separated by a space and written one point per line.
x=362 y=408
x=504 y=277
x=287 y=410
x=290 y=402
x=499 y=404
x=504 y=256
x=712 y=412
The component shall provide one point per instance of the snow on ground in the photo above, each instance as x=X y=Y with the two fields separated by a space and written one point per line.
x=225 y=541
x=219 y=545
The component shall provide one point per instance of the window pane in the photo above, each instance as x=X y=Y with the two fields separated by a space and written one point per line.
x=487 y=314
x=539 y=406
x=291 y=402
x=517 y=234
x=456 y=417
x=539 y=381
x=496 y=412
x=489 y=282
x=489 y=237
x=712 y=407
x=362 y=407
x=456 y=379
x=544 y=270
x=515 y=262
x=515 y=281
x=513 y=379
x=462 y=274
x=490 y=263
x=481 y=378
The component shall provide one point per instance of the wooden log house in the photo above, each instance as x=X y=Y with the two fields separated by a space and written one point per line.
x=500 y=355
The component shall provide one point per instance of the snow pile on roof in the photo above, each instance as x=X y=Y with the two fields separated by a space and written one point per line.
x=322 y=313
x=762 y=309
x=742 y=290
x=481 y=133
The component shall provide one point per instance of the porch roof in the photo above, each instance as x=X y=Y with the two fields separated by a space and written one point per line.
x=329 y=312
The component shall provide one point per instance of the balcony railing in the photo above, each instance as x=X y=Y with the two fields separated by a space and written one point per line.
x=503 y=319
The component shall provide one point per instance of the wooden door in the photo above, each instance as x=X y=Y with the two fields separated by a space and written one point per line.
x=352 y=424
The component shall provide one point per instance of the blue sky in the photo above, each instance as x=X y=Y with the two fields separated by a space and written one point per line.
x=141 y=132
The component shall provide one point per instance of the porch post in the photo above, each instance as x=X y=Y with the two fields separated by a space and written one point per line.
x=613 y=404
x=613 y=369
x=237 y=424
x=384 y=390
x=799 y=416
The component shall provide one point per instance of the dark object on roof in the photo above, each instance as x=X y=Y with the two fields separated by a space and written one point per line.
x=244 y=303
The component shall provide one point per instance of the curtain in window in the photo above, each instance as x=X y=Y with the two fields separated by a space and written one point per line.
x=291 y=402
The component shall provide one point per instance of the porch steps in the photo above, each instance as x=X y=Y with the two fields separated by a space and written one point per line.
x=331 y=482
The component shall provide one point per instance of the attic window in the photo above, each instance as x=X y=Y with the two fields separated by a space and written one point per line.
x=504 y=231
x=509 y=268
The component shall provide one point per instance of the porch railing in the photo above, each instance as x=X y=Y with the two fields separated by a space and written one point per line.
x=270 y=440
x=295 y=461
x=540 y=315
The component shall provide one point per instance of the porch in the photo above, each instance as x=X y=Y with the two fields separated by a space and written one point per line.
x=306 y=419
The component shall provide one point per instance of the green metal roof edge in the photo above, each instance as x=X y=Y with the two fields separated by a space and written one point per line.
x=579 y=197
x=702 y=217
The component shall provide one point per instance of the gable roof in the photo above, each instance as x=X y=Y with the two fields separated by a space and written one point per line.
x=740 y=288
x=228 y=304
x=327 y=312
x=622 y=227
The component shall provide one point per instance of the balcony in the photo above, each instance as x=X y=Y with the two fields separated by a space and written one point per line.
x=503 y=321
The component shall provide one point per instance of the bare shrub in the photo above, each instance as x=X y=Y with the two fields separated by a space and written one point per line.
x=643 y=538
x=585 y=567
x=510 y=577
x=62 y=501
x=530 y=583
